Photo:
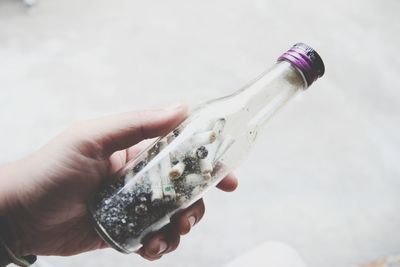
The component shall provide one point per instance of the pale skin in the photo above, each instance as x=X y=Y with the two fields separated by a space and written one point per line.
x=43 y=196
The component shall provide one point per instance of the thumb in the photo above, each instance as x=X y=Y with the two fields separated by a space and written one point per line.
x=120 y=131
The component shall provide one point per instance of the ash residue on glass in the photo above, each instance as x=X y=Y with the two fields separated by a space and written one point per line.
x=144 y=196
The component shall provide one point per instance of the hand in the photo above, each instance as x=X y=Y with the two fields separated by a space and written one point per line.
x=43 y=196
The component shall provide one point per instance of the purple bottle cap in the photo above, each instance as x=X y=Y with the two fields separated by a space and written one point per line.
x=306 y=60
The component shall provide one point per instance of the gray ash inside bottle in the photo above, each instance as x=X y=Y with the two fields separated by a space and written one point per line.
x=131 y=205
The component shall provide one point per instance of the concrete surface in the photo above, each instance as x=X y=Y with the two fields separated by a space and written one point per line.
x=272 y=254
x=325 y=176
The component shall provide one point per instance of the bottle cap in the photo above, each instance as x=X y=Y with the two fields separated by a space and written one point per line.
x=305 y=59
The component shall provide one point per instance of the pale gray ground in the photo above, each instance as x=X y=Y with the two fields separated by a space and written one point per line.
x=324 y=177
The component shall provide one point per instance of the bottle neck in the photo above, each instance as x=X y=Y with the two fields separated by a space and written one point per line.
x=282 y=71
x=269 y=92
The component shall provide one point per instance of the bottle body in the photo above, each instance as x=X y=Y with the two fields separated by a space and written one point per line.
x=180 y=167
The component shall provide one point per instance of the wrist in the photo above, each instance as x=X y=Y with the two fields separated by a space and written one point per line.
x=11 y=248
x=10 y=213
x=7 y=257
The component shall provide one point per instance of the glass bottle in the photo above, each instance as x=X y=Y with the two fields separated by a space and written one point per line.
x=177 y=169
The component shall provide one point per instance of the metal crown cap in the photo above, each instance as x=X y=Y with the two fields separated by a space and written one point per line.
x=305 y=59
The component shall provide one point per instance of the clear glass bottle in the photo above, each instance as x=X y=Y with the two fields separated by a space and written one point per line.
x=180 y=167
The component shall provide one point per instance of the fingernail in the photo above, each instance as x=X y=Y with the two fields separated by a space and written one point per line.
x=163 y=247
x=192 y=220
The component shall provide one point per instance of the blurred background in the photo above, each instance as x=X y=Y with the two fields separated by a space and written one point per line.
x=324 y=177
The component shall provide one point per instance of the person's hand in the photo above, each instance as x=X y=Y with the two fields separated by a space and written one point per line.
x=43 y=197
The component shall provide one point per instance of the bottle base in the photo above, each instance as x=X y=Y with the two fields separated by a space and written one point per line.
x=103 y=234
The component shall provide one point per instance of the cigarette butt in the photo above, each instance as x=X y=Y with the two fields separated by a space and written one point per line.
x=169 y=191
x=212 y=150
x=194 y=142
x=207 y=162
x=165 y=168
x=204 y=138
x=197 y=153
x=177 y=170
x=219 y=126
x=207 y=176
x=167 y=187
x=155 y=183
x=205 y=166
x=201 y=152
